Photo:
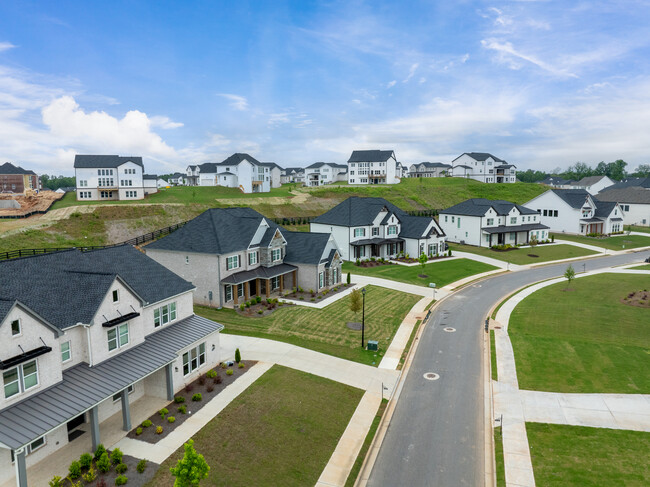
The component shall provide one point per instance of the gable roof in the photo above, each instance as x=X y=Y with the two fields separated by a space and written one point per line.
x=93 y=161
x=9 y=168
x=371 y=155
x=431 y=164
x=588 y=181
x=554 y=181
x=603 y=208
x=633 y=194
x=305 y=247
x=272 y=165
x=575 y=198
x=630 y=182
x=479 y=206
x=149 y=176
x=238 y=157
x=480 y=156
x=82 y=282
x=357 y=211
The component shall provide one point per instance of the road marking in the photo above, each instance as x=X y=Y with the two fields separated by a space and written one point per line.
x=449 y=329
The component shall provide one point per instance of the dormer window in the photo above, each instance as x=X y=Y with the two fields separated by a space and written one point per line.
x=15 y=328
x=276 y=255
x=116 y=296
x=392 y=230
x=252 y=258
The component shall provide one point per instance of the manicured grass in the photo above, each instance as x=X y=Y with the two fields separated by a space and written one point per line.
x=356 y=468
x=583 y=339
x=520 y=256
x=405 y=352
x=581 y=456
x=644 y=267
x=498 y=453
x=493 y=356
x=281 y=431
x=633 y=228
x=325 y=330
x=442 y=273
x=613 y=243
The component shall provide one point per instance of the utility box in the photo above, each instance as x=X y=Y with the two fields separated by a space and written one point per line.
x=373 y=345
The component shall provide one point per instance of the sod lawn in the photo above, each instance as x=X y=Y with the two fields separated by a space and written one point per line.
x=281 y=431
x=325 y=330
x=442 y=273
x=643 y=267
x=579 y=456
x=619 y=242
x=583 y=339
x=520 y=256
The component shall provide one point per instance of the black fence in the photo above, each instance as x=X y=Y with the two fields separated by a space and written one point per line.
x=430 y=213
x=148 y=237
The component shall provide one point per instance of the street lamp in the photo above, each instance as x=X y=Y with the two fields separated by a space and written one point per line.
x=363 y=316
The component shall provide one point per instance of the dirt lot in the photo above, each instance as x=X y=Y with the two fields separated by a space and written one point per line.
x=41 y=201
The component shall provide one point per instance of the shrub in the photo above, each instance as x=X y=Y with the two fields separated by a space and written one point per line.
x=146 y=423
x=104 y=464
x=357 y=263
x=210 y=388
x=198 y=396
x=89 y=476
x=449 y=253
x=190 y=469
x=248 y=304
x=171 y=419
x=159 y=430
x=138 y=430
x=86 y=460
x=258 y=299
x=241 y=365
x=552 y=238
x=101 y=482
x=228 y=372
x=179 y=399
x=210 y=374
x=312 y=299
x=223 y=365
x=241 y=306
x=74 y=470
x=302 y=298
x=202 y=380
x=237 y=356
x=142 y=464
x=261 y=311
x=121 y=480
x=56 y=482
x=182 y=409
x=217 y=379
x=101 y=449
x=163 y=412
x=116 y=456
x=121 y=468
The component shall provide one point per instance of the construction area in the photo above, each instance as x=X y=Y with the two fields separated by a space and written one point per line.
x=17 y=205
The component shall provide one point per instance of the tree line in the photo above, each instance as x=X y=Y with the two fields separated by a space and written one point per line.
x=614 y=170
x=55 y=182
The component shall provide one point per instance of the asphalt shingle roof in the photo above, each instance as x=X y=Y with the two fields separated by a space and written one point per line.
x=356 y=211
x=575 y=198
x=630 y=182
x=9 y=168
x=634 y=195
x=305 y=247
x=479 y=206
x=588 y=181
x=92 y=161
x=371 y=155
x=481 y=156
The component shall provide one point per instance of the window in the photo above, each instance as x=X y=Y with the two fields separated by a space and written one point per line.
x=252 y=258
x=359 y=232
x=116 y=296
x=458 y=226
x=321 y=280
x=545 y=213
x=275 y=282
x=276 y=255
x=117 y=396
x=228 y=292
x=118 y=337
x=625 y=207
x=187 y=259
x=65 y=352
x=232 y=262
x=445 y=218
x=375 y=231
x=164 y=314
x=453 y=219
x=513 y=220
x=35 y=445
x=20 y=378
x=193 y=359
x=15 y=328
x=490 y=221
x=392 y=230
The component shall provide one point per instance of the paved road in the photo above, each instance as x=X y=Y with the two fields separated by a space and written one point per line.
x=436 y=435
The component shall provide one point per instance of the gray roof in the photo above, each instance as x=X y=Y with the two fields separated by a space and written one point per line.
x=554 y=181
x=258 y=273
x=504 y=166
x=479 y=206
x=481 y=156
x=238 y=157
x=82 y=281
x=149 y=176
x=634 y=195
x=94 y=161
x=9 y=168
x=415 y=226
x=305 y=247
x=630 y=182
x=431 y=165
x=272 y=165
x=604 y=208
x=587 y=181
x=215 y=231
x=316 y=165
x=371 y=155
x=83 y=387
x=575 y=198
x=287 y=171
x=515 y=228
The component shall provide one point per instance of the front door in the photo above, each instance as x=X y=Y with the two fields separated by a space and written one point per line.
x=501 y=238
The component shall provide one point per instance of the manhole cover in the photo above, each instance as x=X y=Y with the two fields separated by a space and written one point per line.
x=431 y=376
x=449 y=329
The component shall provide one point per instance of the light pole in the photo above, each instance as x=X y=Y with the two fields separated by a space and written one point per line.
x=363 y=316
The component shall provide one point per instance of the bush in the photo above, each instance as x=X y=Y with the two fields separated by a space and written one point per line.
x=142 y=464
x=223 y=365
x=248 y=304
x=121 y=480
x=198 y=396
x=182 y=409
x=104 y=464
x=163 y=412
x=202 y=380
x=241 y=307
x=138 y=430
x=89 y=476
x=74 y=470
x=237 y=356
x=101 y=482
x=260 y=312
x=228 y=372
x=121 y=468
x=146 y=423
x=56 y=482
x=241 y=365
x=552 y=238
x=258 y=299
x=116 y=456
x=449 y=253
x=312 y=299
x=179 y=399
x=101 y=449
x=188 y=388
x=159 y=430
x=210 y=374
x=86 y=460
x=171 y=419
x=217 y=379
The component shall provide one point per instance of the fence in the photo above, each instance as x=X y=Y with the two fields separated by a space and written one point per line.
x=147 y=237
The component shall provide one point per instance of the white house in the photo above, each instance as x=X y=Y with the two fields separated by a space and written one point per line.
x=485 y=223
x=177 y=179
x=321 y=173
x=150 y=182
x=293 y=175
x=275 y=173
x=373 y=227
x=633 y=200
x=372 y=167
x=483 y=167
x=237 y=171
x=96 y=333
x=429 y=170
x=577 y=211
x=401 y=171
x=101 y=177
x=593 y=184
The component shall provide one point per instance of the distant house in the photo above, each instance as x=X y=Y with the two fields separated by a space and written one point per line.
x=577 y=211
x=109 y=177
x=631 y=182
x=429 y=170
x=373 y=227
x=593 y=184
x=372 y=167
x=321 y=173
x=15 y=179
x=150 y=182
x=634 y=201
x=293 y=175
x=556 y=182
x=66 y=189
x=237 y=171
x=177 y=179
x=401 y=171
x=485 y=223
x=275 y=172
x=484 y=167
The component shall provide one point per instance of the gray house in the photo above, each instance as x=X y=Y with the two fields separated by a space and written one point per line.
x=429 y=170
x=232 y=254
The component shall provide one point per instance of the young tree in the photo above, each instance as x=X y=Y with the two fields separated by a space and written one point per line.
x=423 y=260
x=237 y=356
x=348 y=278
x=532 y=242
x=355 y=302
x=569 y=274
x=191 y=469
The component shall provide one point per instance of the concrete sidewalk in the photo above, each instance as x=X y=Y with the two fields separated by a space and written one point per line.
x=325 y=301
x=600 y=250
x=401 y=338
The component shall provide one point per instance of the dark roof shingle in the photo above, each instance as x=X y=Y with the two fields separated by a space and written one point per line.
x=371 y=155
x=84 y=161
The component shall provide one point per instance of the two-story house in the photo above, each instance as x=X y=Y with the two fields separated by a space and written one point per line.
x=483 y=167
x=321 y=173
x=593 y=184
x=577 y=211
x=372 y=167
x=237 y=171
x=101 y=177
x=293 y=175
x=373 y=227
x=91 y=335
x=15 y=179
x=485 y=223
x=429 y=170
x=232 y=254
x=275 y=174
x=634 y=201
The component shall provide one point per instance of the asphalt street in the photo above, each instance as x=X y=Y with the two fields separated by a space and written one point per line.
x=436 y=434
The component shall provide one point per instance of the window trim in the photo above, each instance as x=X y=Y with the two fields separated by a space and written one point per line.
x=118 y=336
x=69 y=351
x=20 y=378
x=20 y=328
x=232 y=262
x=227 y=290
x=188 y=358
x=252 y=256
x=275 y=252
x=164 y=314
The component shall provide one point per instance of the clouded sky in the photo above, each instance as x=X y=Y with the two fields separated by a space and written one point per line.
x=541 y=84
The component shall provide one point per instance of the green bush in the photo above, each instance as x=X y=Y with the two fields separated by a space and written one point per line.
x=74 y=470
x=86 y=460
x=100 y=451
x=242 y=307
x=159 y=430
x=56 y=482
x=229 y=372
x=104 y=464
x=171 y=419
x=449 y=253
x=146 y=423
x=179 y=399
x=142 y=464
x=163 y=412
x=260 y=312
x=237 y=356
x=210 y=374
x=121 y=480
x=121 y=468
x=241 y=365
x=182 y=409
x=116 y=456
x=198 y=396
x=89 y=476
x=258 y=299
x=138 y=430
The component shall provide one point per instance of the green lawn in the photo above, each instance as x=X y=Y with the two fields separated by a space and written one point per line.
x=613 y=243
x=637 y=228
x=281 y=431
x=583 y=339
x=356 y=468
x=520 y=256
x=498 y=453
x=644 y=267
x=493 y=356
x=325 y=330
x=442 y=273
x=583 y=457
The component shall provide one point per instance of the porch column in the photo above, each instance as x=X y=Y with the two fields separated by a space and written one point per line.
x=281 y=283
x=246 y=291
x=516 y=233
x=295 y=279
x=126 y=410
x=257 y=287
x=268 y=287
x=93 y=416
x=21 y=468
x=169 y=381
x=236 y=293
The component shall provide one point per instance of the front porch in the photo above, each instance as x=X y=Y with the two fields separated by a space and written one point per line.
x=262 y=281
x=592 y=225
x=378 y=248
x=509 y=235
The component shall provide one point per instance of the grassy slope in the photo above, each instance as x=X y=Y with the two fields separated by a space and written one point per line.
x=580 y=456
x=583 y=340
x=281 y=431
x=521 y=256
x=325 y=330
x=612 y=243
x=442 y=273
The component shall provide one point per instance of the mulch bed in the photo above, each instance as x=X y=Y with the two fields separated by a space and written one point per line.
x=375 y=263
x=640 y=299
x=253 y=311
x=107 y=479
x=149 y=434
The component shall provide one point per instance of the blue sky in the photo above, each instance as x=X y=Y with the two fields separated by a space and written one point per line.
x=538 y=83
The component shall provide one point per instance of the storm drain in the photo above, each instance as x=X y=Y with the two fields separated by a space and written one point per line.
x=431 y=376
x=449 y=329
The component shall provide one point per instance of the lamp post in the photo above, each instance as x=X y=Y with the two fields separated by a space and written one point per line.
x=363 y=316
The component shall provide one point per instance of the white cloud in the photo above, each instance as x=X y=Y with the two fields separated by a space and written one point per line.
x=236 y=101
x=164 y=122
x=5 y=46
x=391 y=84
x=510 y=55
x=412 y=71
